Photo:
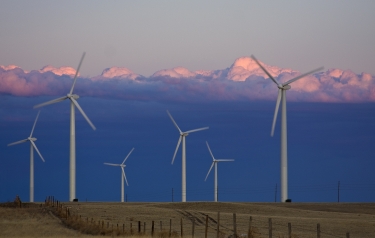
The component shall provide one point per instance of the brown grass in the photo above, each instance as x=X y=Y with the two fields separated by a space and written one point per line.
x=91 y=219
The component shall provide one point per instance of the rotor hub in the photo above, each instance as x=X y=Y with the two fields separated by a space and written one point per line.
x=286 y=87
x=75 y=96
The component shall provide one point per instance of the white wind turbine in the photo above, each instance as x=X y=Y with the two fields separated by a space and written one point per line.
x=182 y=138
x=73 y=103
x=32 y=147
x=283 y=153
x=123 y=176
x=214 y=163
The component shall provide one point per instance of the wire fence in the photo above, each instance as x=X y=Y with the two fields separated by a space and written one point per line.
x=191 y=223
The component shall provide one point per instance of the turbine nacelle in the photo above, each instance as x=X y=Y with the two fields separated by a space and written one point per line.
x=284 y=87
x=182 y=134
x=31 y=139
x=74 y=96
x=215 y=161
x=122 y=165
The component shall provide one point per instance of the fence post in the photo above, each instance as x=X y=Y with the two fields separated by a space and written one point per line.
x=170 y=227
x=318 y=230
x=206 y=229
x=152 y=228
x=347 y=235
x=234 y=225
x=290 y=230
x=250 y=232
x=144 y=227
x=182 y=228
x=139 y=227
x=123 y=227
x=218 y=225
x=270 y=227
x=193 y=228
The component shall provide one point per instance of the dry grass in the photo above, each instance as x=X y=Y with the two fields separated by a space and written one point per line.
x=93 y=219
x=32 y=222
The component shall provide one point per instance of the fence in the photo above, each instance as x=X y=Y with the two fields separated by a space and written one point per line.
x=192 y=224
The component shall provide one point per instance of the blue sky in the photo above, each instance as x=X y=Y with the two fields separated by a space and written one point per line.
x=327 y=143
x=330 y=114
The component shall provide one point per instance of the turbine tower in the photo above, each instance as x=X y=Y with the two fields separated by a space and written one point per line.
x=32 y=147
x=123 y=176
x=214 y=163
x=73 y=103
x=283 y=87
x=182 y=138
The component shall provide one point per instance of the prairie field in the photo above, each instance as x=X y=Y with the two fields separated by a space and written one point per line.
x=88 y=219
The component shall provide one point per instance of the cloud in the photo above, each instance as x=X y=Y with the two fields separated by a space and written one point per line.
x=244 y=67
x=118 y=72
x=59 y=71
x=242 y=81
x=178 y=72
x=9 y=67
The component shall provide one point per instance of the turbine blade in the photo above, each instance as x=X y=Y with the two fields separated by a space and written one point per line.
x=175 y=152
x=32 y=130
x=269 y=75
x=174 y=122
x=112 y=164
x=123 y=172
x=212 y=165
x=276 y=111
x=225 y=160
x=127 y=156
x=32 y=142
x=302 y=75
x=75 y=76
x=51 y=102
x=83 y=113
x=18 y=142
x=195 y=130
x=213 y=158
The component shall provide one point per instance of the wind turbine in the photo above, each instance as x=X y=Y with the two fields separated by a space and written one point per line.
x=123 y=176
x=214 y=163
x=32 y=147
x=182 y=138
x=73 y=103
x=283 y=153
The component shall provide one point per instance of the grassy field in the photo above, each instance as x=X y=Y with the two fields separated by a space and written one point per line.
x=335 y=219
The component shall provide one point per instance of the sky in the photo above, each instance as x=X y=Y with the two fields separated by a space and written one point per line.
x=193 y=59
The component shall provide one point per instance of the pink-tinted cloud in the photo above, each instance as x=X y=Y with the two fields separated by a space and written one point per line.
x=178 y=72
x=242 y=81
x=59 y=71
x=244 y=67
x=9 y=67
x=119 y=72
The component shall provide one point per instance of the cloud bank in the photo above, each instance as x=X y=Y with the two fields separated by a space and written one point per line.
x=242 y=81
